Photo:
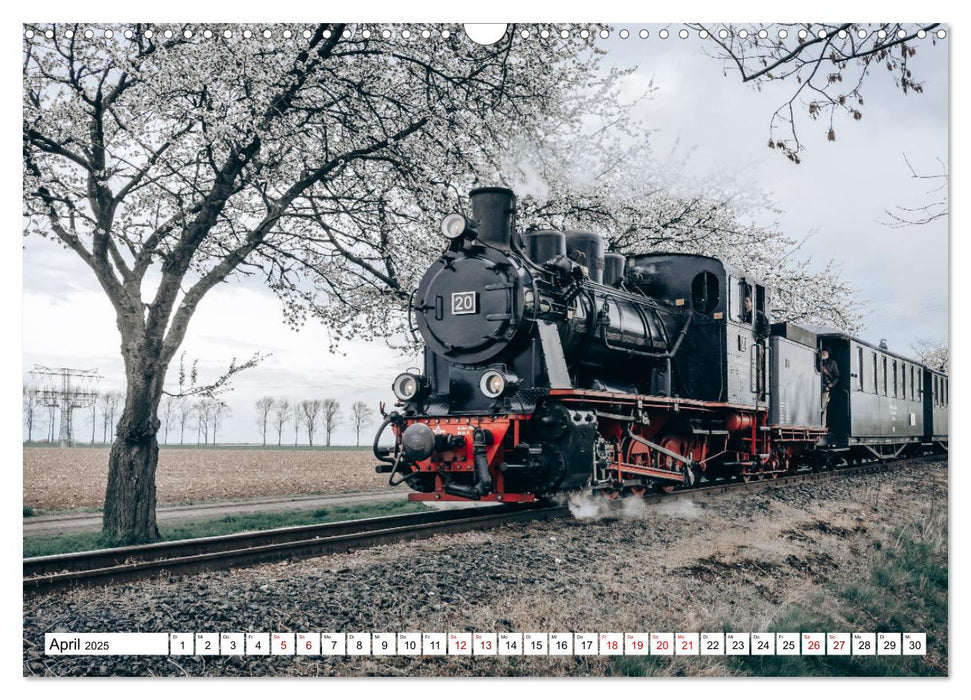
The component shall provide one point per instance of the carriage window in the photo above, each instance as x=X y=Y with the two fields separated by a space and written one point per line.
x=935 y=389
x=704 y=292
x=883 y=376
x=913 y=396
x=876 y=380
x=903 y=381
x=859 y=367
x=894 y=363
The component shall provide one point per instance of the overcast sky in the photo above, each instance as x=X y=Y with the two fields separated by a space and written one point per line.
x=836 y=198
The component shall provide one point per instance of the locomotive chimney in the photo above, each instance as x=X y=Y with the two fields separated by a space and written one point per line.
x=494 y=211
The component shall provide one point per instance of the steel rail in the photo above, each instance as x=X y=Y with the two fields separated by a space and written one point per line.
x=61 y=571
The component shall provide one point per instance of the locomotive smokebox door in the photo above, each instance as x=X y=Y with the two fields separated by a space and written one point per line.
x=465 y=303
x=470 y=306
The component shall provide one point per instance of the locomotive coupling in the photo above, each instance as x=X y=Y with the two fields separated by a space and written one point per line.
x=483 y=479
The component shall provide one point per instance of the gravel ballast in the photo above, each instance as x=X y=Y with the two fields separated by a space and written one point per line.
x=740 y=559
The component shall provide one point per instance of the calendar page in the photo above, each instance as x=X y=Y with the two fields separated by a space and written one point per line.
x=523 y=349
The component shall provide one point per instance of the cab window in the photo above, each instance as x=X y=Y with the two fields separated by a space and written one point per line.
x=734 y=300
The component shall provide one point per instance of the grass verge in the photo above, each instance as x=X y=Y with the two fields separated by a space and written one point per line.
x=906 y=591
x=42 y=545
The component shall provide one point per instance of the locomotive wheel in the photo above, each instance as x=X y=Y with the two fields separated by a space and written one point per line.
x=665 y=488
x=611 y=494
x=744 y=476
x=638 y=490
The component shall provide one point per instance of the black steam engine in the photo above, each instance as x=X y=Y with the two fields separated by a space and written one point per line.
x=551 y=365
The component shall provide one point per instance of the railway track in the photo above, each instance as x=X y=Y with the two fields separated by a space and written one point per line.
x=61 y=571
x=117 y=565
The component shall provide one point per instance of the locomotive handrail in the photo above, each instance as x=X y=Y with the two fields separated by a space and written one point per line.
x=412 y=327
x=667 y=355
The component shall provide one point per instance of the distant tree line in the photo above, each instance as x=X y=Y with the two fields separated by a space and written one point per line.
x=205 y=416
x=200 y=421
x=274 y=414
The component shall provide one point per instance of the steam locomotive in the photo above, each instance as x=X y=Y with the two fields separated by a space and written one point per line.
x=551 y=365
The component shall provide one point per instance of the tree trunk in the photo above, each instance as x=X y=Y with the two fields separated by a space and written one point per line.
x=129 y=512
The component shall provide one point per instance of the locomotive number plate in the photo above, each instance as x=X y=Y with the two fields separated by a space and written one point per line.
x=465 y=303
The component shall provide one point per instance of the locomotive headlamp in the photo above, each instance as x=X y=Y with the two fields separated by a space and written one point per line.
x=406 y=386
x=494 y=383
x=455 y=226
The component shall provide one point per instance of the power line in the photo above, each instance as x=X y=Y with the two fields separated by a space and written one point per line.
x=65 y=392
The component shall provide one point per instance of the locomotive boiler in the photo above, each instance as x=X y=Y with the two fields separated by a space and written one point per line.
x=551 y=364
